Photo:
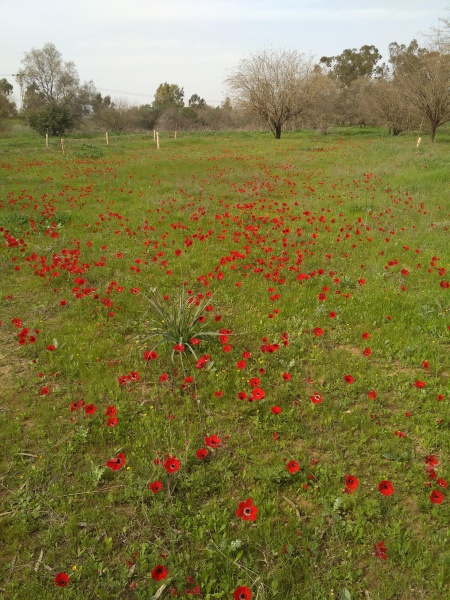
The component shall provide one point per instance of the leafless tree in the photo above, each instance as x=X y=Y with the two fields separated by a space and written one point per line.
x=426 y=84
x=276 y=84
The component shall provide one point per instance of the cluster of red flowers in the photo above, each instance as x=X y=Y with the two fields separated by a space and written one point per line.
x=132 y=376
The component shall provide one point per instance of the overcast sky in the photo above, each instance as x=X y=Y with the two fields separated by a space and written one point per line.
x=128 y=47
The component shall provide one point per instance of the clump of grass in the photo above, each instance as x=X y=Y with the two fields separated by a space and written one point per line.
x=178 y=321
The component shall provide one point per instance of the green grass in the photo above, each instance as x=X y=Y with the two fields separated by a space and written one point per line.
x=257 y=228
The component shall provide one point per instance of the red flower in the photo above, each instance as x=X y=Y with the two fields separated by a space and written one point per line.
x=90 y=409
x=380 y=550
x=372 y=394
x=286 y=376
x=111 y=411
x=437 y=497
x=159 y=572
x=367 y=351
x=155 y=486
x=202 y=362
x=442 y=483
x=212 y=441
x=242 y=395
x=116 y=463
x=293 y=466
x=171 y=464
x=247 y=511
x=254 y=382
x=62 y=579
x=258 y=393
x=76 y=405
x=332 y=315
x=51 y=347
x=318 y=331
x=241 y=364
x=202 y=453
x=150 y=355
x=276 y=410
x=242 y=593
x=365 y=335
x=316 y=398
x=351 y=483
x=112 y=421
x=420 y=384
x=349 y=378
x=246 y=354
x=386 y=488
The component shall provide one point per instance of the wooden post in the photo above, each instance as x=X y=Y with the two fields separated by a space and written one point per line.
x=46 y=141
x=107 y=138
x=418 y=142
x=63 y=148
x=154 y=135
x=157 y=140
x=175 y=136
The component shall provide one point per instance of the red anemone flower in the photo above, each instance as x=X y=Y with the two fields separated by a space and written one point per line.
x=201 y=453
x=155 y=486
x=386 y=488
x=62 y=579
x=247 y=511
x=380 y=550
x=242 y=593
x=159 y=572
x=171 y=464
x=351 y=483
x=316 y=398
x=258 y=393
x=116 y=463
x=349 y=378
x=293 y=466
x=437 y=497
x=212 y=441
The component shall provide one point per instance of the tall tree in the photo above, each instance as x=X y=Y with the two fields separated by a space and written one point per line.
x=196 y=102
x=7 y=106
x=45 y=78
x=424 y=77
x=168 y=95
x=353 y=63
x=275 y=84
x=47 y=81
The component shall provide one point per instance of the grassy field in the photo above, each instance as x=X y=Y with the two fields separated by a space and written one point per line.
x=303 y=451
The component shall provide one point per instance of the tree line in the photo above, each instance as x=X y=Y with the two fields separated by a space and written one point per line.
x=278 y=89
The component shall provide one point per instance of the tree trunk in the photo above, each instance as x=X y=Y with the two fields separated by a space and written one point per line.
x=277 y=128
x=433 y=131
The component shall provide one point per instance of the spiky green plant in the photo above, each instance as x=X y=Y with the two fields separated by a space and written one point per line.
x=177 y=321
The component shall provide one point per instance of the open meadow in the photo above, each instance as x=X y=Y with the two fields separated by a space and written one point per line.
x=225 y=366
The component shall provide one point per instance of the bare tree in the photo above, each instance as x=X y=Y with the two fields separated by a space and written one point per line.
x=276 y=84
x=385 y=99
x=425 y=79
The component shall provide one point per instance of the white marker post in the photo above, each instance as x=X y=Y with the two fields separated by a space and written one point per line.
x=63 y=148
x=157 y=140
x=418 y=142
x=46 y=141
x=154 y=135
x=107 y=138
